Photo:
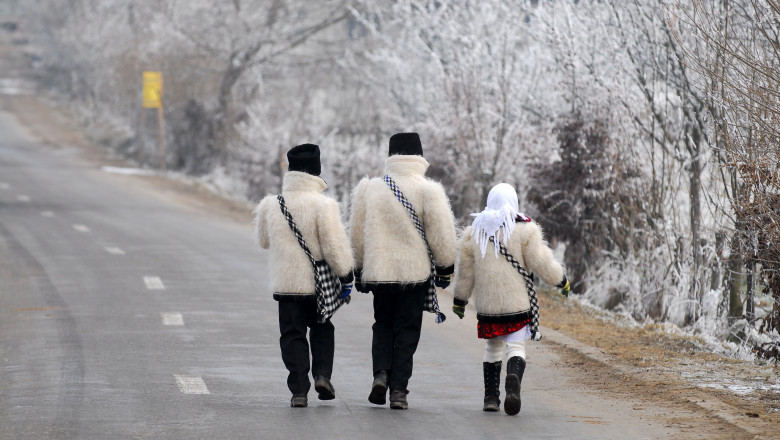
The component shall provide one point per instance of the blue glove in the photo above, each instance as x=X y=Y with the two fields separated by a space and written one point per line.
x=346 y=289
x=442 y=280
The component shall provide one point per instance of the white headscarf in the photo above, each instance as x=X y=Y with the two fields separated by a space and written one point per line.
x=501 y=211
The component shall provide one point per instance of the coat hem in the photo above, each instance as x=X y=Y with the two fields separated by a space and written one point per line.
x=286 y=297
x=505 y=318
x=395 y=286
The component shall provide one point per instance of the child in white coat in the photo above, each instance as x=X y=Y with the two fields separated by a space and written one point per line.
x=499 y=280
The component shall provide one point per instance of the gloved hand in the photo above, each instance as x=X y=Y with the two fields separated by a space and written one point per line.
x=566 y=288
x=458 y=310
x=442 y=280
x=358 y=272
x=346 y=289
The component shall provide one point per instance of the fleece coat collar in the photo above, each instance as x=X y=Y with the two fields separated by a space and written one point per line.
x=406 y=165
x=300 y=181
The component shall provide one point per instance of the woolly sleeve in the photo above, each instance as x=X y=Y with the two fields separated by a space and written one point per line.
x=539 y=257
x=464 y=273
x=261 y=224
x=440 y=228
x=357 y=222
x=333 y=240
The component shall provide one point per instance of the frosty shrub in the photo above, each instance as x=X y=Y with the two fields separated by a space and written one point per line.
x=590 y=199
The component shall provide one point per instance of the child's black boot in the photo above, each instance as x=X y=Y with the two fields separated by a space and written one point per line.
x=515 y=367
x=492 y=373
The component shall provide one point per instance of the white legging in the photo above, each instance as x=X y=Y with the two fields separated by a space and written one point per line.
x=495 y=347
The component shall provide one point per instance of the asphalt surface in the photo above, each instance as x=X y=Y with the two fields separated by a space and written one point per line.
x=124 y=314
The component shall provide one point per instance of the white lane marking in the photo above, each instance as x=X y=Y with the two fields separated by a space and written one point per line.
x=23 y=198
x=115 y=251
x=81 y=228
x=4 y=185
x=172 y=318
x=191 y=384
x=128 y=171
x=154 y=283
x=47 y=213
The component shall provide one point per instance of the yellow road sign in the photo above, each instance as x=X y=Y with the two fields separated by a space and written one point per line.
x=152 y=89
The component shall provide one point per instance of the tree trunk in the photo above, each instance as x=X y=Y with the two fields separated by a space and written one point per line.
x=750 y=311
x=223 y=119
x=695 y=190
x=734 y=275
x=715 y=267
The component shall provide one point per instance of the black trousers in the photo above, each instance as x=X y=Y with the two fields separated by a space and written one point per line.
x=294 y=318
x=397 y=324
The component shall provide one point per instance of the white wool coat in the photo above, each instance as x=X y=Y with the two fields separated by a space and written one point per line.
x=496 y=286
x=317 y=217
x=387 y=246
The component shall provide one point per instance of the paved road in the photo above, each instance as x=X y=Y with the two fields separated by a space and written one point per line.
x=123 y=315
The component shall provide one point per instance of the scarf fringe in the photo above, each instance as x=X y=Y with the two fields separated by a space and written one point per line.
x=489 y=223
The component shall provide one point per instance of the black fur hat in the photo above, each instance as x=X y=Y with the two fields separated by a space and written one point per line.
x=304 y=158
x=405 y=143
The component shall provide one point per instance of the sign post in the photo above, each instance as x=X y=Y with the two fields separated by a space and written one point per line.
x=152 y=98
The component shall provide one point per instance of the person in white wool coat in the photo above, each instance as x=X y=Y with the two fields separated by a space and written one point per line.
x=318 y=220
x=392 y=260
x=505 y=310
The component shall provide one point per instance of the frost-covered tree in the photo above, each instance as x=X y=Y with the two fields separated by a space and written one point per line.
x=626 y=55
x=215 y=57
x=239 y=35
x=470 y=77
x=737 y=52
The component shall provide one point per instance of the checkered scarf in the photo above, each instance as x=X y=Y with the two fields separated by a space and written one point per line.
x=529 y=285
x=327 y=284
x=431 y=301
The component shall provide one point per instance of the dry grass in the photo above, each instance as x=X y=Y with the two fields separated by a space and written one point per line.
x=669 y=370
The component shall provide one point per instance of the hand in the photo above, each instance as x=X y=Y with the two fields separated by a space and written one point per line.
x=360 y=287
x=346 y=289
x=566 y=289
x=442 y=280
x=458 y=310
x=359 y=280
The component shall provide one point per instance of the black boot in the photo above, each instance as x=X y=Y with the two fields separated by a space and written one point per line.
x=324 y=388
x=379 y=388
x=398 y=399
x=299 y=401
x=515 y=367
x=492 y=373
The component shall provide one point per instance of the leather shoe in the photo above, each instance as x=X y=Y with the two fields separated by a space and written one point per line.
x=398 y=399
x=324 y=388
x=379 y=389
x=299 y=401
